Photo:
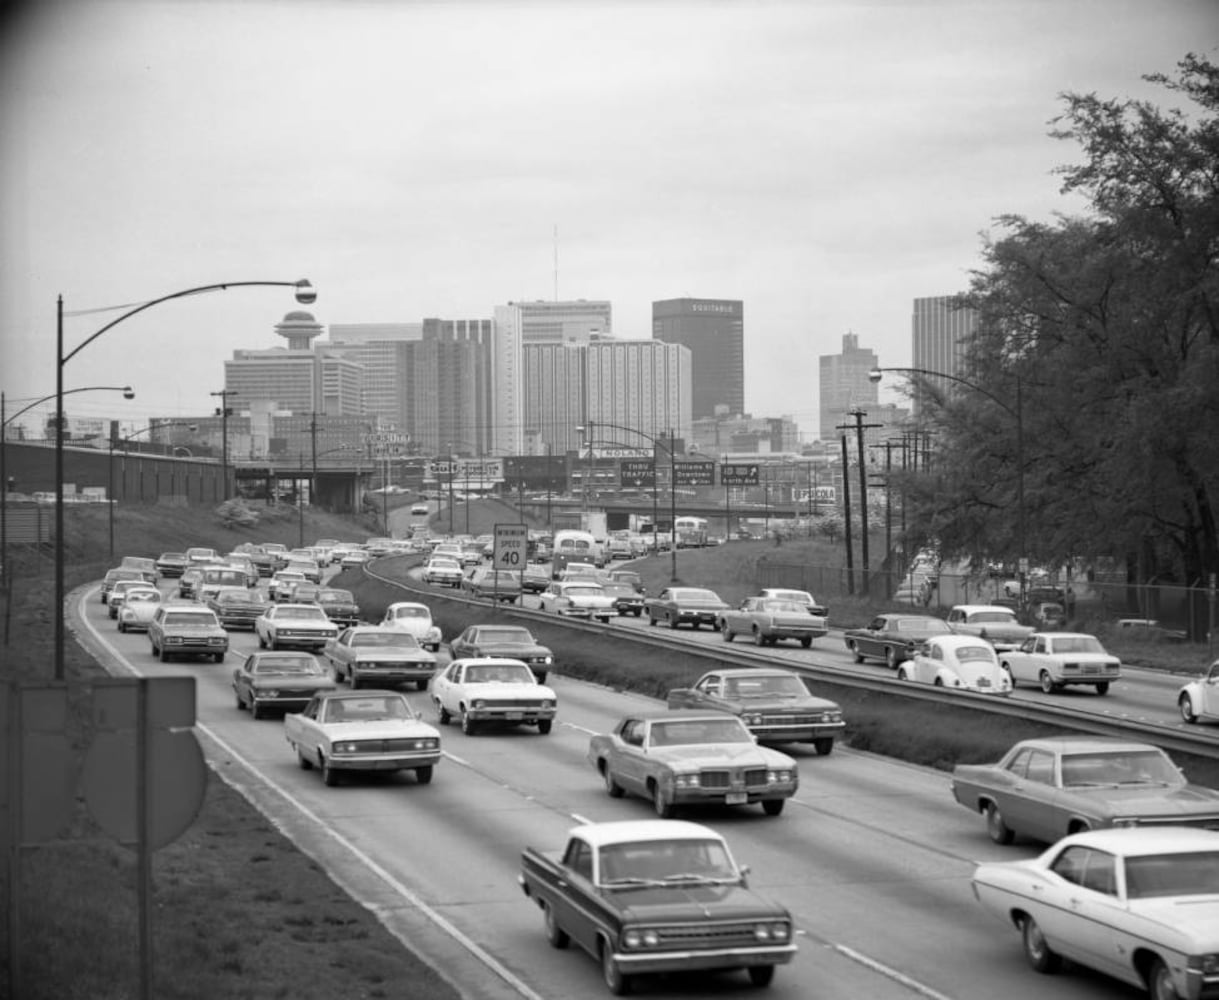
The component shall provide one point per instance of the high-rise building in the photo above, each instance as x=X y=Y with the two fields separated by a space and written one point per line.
x=553 y=394
x=845 y=385
x=450 y=387
x=939 y=331
x=641 y=384
x=382 y=350
x=714 y=331
x=573 y=322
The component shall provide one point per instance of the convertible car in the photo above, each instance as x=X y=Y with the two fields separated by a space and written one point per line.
x=1050 y=787
x=1141 y=906
x=774 y=704
x=692 y=758
x=893 y=637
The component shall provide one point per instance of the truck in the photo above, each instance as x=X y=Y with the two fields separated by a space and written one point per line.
x=655 y=896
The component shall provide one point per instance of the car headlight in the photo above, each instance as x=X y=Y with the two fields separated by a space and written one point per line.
x=478 y=703
x=781 y=777
x=685 y=780
x=1208 y=965
x=752 y=718
x=347 y=747
x=777 y=931
x=268 y=692
x=640 y=938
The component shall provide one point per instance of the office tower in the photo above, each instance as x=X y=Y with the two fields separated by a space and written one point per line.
x=553 y=407
x=641 y=384
x=714 y=331
x=450 y=387
x=385 y=365
x=576 y=322
x=845 y=385
x=939 y=335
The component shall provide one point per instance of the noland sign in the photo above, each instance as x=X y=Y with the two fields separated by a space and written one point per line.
x=700 y=473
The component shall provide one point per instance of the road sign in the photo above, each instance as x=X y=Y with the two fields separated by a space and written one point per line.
x=698 y=473
x=739 y=475
x=637 y=472
x=511 y=546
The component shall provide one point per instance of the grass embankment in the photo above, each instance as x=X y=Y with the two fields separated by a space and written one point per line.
x=239 y=912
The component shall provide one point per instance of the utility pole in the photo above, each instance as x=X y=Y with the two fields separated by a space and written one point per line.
x=223 y=411
x=313 y=442
x=863 y=487
x=846 y=515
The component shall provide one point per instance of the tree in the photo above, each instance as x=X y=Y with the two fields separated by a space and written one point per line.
x=1101 y=333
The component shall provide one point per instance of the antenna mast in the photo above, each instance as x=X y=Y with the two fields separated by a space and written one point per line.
x=556 y=263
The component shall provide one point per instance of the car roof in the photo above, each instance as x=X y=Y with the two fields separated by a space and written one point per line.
x=407 y=604
x=970 y=608
x=1066 y=635
x=631 y=831
x=754 y=672
x=1070 y=742
x=1146 y=840
x=503 y=661
x=335 y=694
x=681 y=715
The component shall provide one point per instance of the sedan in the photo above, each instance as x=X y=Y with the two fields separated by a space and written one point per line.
x=767 y=620
x=379 y=657
x=1050 y=787
x=514 y=642
x=237 y=607
x=345 y=731
x=693 y=606
x=1053 y=660
x=444 y=571
x=1199 y=700
x=627 y=600
x=774 y=704
x=1141 y=906
x=278 y=680
x=493 y=584
x=577 y=600
x=893 y=637
x=676 y=759
x=294 y=625
x=488 y=689
x=282 y=583
x=171 y=564
x=960 y=662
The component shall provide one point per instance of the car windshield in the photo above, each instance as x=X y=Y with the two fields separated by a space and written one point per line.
x=310 y=614
x=921 y=626
x=974 y=654
x=1076 y=644
x=412 y=613
x=186 y=618
x=1131 y=767
x=335 y=596
x=368 y=709
x=785 y=607
x=765 y=686
x=503 y=673
x=652 y=861
x=694 y=595
x=584 y=590
x=287 y=665
x=383 y=639
x=993 y=616
x=689 y=732
x=518 y=636
x=799 y=596
x=241 y=597
x=1192 y=874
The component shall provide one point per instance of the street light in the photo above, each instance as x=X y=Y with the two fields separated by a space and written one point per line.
x=128 y=393
x=876 y=374
x=223 y=410
x=305 y=294
x=671 y=448
x=110 y=468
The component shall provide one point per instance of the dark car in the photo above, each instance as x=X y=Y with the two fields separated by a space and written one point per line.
x=893 y=637
x=237 y=608
x=113 y=576
x=693 y=606
x=511 y=641
x=171 y=564
x=340 y=606
x=285 y=681
x=628 y=576
x=494 y=584
x=627 y=600
x=534 y=579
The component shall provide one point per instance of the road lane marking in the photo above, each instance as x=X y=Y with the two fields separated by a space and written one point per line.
x=889 y=973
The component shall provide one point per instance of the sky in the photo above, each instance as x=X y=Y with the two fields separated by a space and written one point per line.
x=824 y=162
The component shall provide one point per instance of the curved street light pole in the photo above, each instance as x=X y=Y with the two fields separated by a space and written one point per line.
x=1017 y=413
x=305 y=294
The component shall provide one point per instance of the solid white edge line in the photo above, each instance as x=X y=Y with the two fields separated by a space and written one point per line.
x=889 y=973
x=408 y=895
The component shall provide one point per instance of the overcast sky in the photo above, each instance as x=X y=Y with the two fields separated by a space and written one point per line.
x=824 y=162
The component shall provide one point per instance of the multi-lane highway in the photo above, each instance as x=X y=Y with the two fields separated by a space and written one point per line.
x=872 y=856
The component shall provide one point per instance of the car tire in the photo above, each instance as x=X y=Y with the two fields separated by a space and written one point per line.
x=638 y=612
x=891 y=660
x=651 y=619
x=758 y=638
x=240 y=703
x=544 y=726
x=1047 y=683
x=773 y=807
x=262 y=642
x=806 y=642
x=468 y=725
x=555 y=935
x=902 y=675
x=1102 y=687
x=442 y=713
x=164 y=655
x=423 y=775
x=1159 y=982
x=255 y=711
x=996 y=827
x=540 y=678
x=218 y=657
x=673 y=623
x=661 y=802
x=616 y=981
x=761 y=975
x=824 y=745
x=330 y=775
x=302 y=761
x=1187 y=709
x=355 y=680
x=612 y=788
x=1037 y=952
x=726 y=632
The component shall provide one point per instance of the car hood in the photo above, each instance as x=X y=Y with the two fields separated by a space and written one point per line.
x=193 y=629
x=382 y=653
x=737 y=754
x=1152 y=800
x=305 y=623
x=648 y=904
x=784 y=705
x=498 y=689
x=298 y=682
x=339 y=606
x=388 y=730
x=511 y=650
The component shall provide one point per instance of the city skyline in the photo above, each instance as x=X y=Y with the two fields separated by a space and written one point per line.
x=824 y=163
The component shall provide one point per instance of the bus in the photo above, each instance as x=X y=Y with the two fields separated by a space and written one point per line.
x=690 y=532
x=572 y=546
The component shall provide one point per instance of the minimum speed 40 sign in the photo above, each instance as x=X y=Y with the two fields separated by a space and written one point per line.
x=511 y=546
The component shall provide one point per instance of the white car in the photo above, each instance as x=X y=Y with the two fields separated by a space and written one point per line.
x=416 y=619
x=362 y=731
x=961 y=662
x=282 y=583
x=995 y=623
x=492 y=690
x=443 y=570
x=119 y=592
x=137 y=609
x=1053 y=660
x=1199 y=700
x=294 y=625
x=578 y=599
x=1140 y=905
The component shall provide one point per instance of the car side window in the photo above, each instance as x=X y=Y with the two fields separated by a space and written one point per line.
x=710 y=685
x=1040 y=647
x=579 y=858
x=1071 y=864
x=1100 y=875
x=632 y=733
x=1041 y=767
x=1020 y=764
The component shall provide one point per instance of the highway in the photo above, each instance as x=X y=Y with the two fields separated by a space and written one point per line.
x=872 y=856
